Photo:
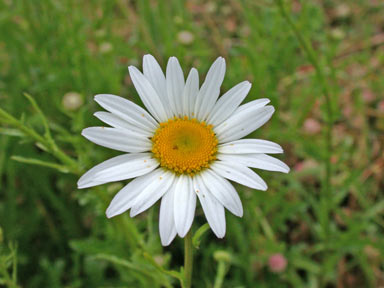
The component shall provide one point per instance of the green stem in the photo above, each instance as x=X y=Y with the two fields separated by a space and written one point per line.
x=221 y=270
x=320 y=74
x=196 y=239
x=48 y=143
x=32 y=161
x=268 y=231
x=188 y=260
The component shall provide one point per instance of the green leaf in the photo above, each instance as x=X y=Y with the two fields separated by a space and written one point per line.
x=38 y=162
x=199 y=234
x=11 y=132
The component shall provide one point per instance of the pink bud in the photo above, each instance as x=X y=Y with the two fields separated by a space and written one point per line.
x=277 y=263
x=380 y=106
x=368 y=96
x=312 y=126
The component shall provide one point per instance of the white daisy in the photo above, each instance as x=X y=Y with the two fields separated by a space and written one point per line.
x=188 y=146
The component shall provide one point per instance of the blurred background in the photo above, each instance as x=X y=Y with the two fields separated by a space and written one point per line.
x=296 y=234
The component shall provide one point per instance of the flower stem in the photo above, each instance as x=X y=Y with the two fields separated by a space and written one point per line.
x=188 y=260
x=320 y=74
x=221 y=267
x=45 y=140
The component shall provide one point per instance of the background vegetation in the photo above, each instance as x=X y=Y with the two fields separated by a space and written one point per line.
x=64 y=52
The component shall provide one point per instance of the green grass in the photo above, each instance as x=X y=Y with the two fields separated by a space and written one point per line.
x=53 y=235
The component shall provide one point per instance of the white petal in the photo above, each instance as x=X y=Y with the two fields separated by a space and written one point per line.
x=191 y=89
x=167 y=226
x=210 y=90
x=175 y=85
x=260 y=161
x=223 y=191
x=153 y=191
x=240 y=174
x=228 y=103
x=245 y=146
x=213 y=209
x=152 y=71
x=184 y=205
x=122 y=167
x=127 y=110
x=125 y=198
x=117 y=139
x=258 y=103
x=242 y=123
x=148 y=95
x=117 y=122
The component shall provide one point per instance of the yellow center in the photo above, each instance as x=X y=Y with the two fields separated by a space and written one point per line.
x=184 y=146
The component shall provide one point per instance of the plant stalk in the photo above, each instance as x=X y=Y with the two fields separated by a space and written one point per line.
x=188 y=260
x=320 y=74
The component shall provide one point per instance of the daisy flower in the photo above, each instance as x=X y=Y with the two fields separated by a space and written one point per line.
x=187 y=145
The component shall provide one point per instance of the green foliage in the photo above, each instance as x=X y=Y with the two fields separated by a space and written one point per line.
x=56 y=55
x=8 y=263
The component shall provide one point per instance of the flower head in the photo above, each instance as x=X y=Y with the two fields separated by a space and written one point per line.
x=187 y=146
x=277 y=263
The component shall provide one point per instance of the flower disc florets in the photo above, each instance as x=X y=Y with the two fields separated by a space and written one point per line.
x=185 y=146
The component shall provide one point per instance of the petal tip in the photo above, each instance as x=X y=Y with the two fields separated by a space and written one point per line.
x=84 y=132
x=182 y=233
x=166 y=242
x=219 y=231
x=86 y=181
x=237 y=213
x=148 y=56
x=270 y=108
x=173 y=59
x=221 y=62
x=264 y=188
x=132 y=69
x=241 y=212
x=98 y=98
x=79 y=185
x=133 y=212
x=109 y=214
